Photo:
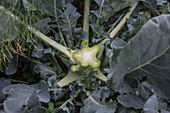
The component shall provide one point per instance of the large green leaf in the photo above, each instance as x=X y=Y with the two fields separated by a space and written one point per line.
x=147 y=53
x=22 y=98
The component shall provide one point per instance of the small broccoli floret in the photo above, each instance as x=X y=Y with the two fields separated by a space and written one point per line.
x=74 y=68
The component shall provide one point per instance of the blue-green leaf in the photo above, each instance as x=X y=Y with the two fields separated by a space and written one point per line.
x=151 y=105
x=21 y=97
x=93 y=104
x=131 y=100
x=3 y=83
x=147 y=53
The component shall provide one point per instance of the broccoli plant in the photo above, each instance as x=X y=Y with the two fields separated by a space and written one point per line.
x=111 y=57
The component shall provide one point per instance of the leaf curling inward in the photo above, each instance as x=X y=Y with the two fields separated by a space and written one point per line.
x=149 y=52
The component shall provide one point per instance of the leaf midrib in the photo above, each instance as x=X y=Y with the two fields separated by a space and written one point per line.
x=140 y=66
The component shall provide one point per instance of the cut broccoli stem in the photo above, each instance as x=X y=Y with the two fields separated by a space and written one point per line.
x=87 y=57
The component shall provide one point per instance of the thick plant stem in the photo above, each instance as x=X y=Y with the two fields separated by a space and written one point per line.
x=101 y=44
x=123 y=21
x=51 y=42
x=71 y=77
x=101 y=76
x=86 y=19
x=86 y=16
x=43 y=37
x=110 y=30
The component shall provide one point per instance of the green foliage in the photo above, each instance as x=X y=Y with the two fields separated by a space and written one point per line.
x=147 y=53
x=53 y=61
x=96 y=102
x=131 y=100
x=23 y=97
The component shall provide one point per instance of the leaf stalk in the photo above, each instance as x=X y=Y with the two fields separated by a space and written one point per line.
x=123 y=21
x=86 y=19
